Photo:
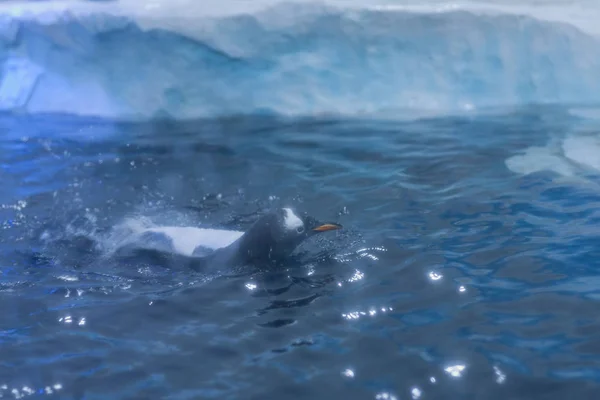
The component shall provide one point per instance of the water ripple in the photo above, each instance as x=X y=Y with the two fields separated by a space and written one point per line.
x=452 y=277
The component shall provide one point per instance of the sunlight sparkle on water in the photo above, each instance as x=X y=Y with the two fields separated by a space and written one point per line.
x=361 y=253
x=366 y=252
x=28 y=391
x=416 y=393
x=385 y=396
x=434 y=276
x=352 y=315
x=455 y=370
x=68 y=278
x=358 y=275
x=348 y=373
x=251 y=286
x=372 y=313
x=500 y=376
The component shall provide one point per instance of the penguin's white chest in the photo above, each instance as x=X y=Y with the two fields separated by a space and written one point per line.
x=184 y=240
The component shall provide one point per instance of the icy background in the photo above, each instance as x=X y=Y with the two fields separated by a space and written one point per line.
x=184 y=59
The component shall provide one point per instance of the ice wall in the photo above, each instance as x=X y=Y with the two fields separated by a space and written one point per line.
x=291 y=59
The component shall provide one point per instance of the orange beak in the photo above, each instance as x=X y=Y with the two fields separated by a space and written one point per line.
x=327 y=227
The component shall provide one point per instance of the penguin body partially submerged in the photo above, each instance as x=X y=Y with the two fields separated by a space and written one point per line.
x=272 y=238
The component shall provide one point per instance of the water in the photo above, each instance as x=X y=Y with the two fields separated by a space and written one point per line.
x=455 y=277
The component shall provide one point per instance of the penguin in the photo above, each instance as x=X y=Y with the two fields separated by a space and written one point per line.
x=272 y=238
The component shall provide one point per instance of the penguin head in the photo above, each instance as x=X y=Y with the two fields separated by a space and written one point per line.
x=276 y=234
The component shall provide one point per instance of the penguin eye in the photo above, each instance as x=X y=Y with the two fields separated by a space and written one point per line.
x=300 y=229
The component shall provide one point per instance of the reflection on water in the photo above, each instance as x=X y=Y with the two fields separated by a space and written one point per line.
x=454 y=276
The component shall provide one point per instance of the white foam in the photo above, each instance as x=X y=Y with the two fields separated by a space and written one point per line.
x=291 y=220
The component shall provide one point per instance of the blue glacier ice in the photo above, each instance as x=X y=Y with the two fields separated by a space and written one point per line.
x=293 y=60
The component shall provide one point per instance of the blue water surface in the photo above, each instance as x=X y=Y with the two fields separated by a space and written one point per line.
x=453 y=278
